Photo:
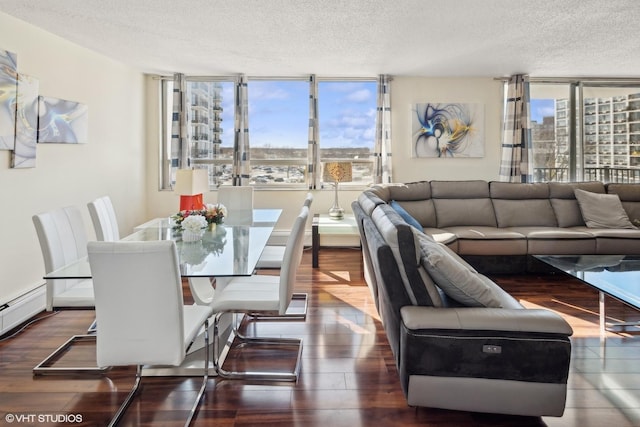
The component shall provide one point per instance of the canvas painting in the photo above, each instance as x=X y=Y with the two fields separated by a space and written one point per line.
x=24 y=154
x=8 y=88
x=61 y=121
x=448 y=130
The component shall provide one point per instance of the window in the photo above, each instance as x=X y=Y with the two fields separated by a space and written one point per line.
x=279 y=132
x=278 y=116
x=347 y=116
x=599 y=141
x=210 y=118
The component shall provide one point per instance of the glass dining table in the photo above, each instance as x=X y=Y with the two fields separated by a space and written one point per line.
x=230 y=249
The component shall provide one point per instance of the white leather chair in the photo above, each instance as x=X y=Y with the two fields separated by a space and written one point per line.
x=272 y=256
x=266 y=295
x=63 y=240
x=134 y=328
x=239 y=203
x=104 y=219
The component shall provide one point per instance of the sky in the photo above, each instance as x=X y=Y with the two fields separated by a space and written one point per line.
x=541 y=108
x=279 y=113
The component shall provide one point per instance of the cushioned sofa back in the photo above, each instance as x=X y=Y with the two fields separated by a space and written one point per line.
x=462 y=203
x=361 y=216
x=564 y=203
x=399 y=236
x=522 y=205
x=630 y=196
x=392 y=295
x=368 y=200
x=415 y=198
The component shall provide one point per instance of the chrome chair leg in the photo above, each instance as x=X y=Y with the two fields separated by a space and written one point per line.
x=255 y=375
x=194 y=409
x=287 y=316
x=45 y=367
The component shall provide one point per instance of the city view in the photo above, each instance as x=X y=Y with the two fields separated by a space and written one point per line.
x=610 y=150
x=279 y=128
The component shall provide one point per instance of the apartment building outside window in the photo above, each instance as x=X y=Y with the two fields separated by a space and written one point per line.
x=586 y=131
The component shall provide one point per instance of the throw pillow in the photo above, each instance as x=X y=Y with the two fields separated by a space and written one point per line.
x=459 y=282
x=602 y=210
x=405 y=215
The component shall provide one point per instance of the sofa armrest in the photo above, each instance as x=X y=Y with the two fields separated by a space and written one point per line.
x=479 y=318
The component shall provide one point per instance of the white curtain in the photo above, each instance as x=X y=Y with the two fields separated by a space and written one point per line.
x=313 y=159
x=242 y=154
x=179 y=142
x=516 y=164
x=382 y=168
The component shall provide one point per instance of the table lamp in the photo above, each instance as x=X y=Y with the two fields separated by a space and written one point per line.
x=336 y=172
x=190 y=184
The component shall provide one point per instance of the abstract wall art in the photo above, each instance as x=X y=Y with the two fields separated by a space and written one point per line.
x=8 y=89
x=448 y=130
x=24 y=153
x=61 y=121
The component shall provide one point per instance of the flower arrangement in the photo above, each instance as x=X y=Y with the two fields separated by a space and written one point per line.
x=212 y=214
x=194 y=223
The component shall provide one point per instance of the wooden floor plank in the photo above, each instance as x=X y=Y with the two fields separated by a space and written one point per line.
x=348 y=376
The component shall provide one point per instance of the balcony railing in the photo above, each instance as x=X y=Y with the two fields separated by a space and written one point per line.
x=604 y=174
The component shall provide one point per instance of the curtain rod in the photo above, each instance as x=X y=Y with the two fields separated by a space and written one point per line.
x=618 y=80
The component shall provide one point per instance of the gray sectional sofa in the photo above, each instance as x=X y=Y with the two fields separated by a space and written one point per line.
x=459 y=340
x=495 y=225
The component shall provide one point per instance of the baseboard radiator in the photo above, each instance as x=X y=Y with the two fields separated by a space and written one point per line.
x=22 y=309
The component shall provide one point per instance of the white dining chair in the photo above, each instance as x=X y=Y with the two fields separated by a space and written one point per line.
x=239 y=203
x=105 y=222
x=265 y=295
x=63 y=240
x=140 y=310
x=272 y=255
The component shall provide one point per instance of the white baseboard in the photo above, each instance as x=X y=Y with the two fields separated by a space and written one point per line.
x=22 y=308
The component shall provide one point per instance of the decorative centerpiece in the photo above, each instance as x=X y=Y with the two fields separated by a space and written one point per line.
x=193 y=227
x=213 y=215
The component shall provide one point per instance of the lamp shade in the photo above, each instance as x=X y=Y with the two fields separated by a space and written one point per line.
x=191 y=181
x=337 y=172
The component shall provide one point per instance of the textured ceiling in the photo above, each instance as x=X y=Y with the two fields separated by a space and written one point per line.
x=351 y=37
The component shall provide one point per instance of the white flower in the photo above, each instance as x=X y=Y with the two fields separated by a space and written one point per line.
x=194 y=223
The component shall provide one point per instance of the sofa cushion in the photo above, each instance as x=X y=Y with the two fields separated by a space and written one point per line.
x=518 y=204
x=630 y=197
x=564 y=203
x=406 y=251
x=456 y=278
x=420 y=190
x=455 y=200
x=475 y=240
x=602 y=210
x=405 y=215
x=368 y=201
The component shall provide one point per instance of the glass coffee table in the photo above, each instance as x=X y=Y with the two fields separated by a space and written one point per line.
x=616 y=276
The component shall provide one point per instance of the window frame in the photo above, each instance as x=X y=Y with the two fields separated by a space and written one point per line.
x=167 y=167
x=579 y=127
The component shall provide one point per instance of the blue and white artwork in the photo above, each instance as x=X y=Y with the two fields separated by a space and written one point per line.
x=8 y=89
x=448 y=130
x=62 y=122
x=24 y=153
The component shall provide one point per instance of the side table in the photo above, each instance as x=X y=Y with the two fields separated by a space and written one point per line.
x=324 y=224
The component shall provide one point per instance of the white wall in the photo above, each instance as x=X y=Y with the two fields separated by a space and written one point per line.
x=408 y=91
x=112 y=163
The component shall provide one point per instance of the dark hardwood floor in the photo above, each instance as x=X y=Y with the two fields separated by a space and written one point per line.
x=348 y=377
